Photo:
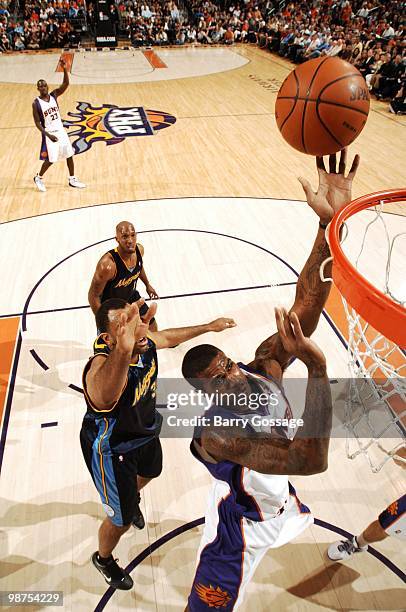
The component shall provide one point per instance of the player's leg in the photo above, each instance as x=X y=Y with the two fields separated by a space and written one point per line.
x=109 y=536
x=113 y=476
x=391 y=522
x=38 y=177
x=48 y=154
x=73 y=181
x=47 y=164
x=149 y=466
x=227 y=558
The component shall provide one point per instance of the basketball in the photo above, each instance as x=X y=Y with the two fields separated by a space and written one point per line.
x=322 y=106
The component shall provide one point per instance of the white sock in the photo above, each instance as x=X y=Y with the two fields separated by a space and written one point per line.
x=71 y=177
x=361 y=541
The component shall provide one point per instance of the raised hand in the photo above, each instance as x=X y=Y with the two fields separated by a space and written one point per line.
x=295 y=342
x=129 y=328
x=219 y=325
x=150 y=314
x=62 y=64
x=334 y=190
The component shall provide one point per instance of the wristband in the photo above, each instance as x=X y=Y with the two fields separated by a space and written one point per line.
x=323 y=225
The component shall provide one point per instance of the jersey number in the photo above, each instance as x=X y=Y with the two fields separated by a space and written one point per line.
x=54 y=116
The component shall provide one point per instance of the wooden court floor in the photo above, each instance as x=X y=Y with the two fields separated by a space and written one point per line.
x=225 y=143
x=213 y=197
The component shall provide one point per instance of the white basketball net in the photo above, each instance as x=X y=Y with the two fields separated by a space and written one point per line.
x=375 y=408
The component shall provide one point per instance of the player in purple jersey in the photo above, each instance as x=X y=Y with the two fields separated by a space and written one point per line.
x=252 y=507
x=55 y=145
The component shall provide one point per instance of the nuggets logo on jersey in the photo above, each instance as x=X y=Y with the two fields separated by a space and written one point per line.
x=112 y=124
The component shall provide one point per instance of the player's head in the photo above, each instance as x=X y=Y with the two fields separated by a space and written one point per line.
x=206 y=367
x=126 y=237
x=106 y=317
x=42 y=87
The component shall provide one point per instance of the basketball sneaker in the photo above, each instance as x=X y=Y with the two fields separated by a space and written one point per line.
x=74 y=182
x=138 y=520
x=39 y=183
x=113 y=574
x=341 y=551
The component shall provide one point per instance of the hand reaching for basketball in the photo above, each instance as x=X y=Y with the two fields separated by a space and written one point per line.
x=296 y=343
x=334 y=190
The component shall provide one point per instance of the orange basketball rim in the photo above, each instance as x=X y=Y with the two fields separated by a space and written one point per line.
x=378 y=309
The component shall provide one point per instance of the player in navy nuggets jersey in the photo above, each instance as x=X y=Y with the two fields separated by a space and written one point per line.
x=55 y=144
x=120 y=430
x=252 y=506
x=118 y=271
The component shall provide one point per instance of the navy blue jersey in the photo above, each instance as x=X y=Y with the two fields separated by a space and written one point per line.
x=124 y=283
x=133 y=420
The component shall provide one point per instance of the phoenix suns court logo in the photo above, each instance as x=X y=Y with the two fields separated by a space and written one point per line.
x=112 y=124
x=214 y=597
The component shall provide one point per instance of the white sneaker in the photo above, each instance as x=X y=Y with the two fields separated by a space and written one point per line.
x=73 y=182
x=39 y=183
x=343 y=550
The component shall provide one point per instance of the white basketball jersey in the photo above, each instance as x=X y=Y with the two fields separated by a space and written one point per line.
x=256 y=496
x=50 y=114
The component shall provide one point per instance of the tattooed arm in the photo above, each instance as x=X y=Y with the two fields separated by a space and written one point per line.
x=334 y=192
x=307 y=453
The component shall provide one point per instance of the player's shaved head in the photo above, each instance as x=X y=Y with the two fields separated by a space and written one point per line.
x=124 y=226
x=42 y=87
x=126 y=237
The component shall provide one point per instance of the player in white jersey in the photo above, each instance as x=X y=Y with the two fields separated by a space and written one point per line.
x=252 y=506
x=55 y=145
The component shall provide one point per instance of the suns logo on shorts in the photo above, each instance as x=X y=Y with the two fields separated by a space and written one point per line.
x=112 y=124
x=213 y=597
x=393 y=509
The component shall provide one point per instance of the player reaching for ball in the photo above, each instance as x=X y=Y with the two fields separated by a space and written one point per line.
x=252 y=506
x=55 y=145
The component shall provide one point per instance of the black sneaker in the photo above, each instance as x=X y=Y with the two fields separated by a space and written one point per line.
x=113 y=574
x=138 y=521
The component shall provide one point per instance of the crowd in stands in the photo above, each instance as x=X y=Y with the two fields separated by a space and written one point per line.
x=36 y=24
x=160 y=23
x=368 y=33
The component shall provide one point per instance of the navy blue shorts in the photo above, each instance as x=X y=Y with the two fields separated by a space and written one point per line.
x=115 y=476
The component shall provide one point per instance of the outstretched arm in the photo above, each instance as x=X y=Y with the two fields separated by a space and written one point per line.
x=105 y=271
x=65 y=83
x=307 y=453
x=334 y=192
x=168 y=338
